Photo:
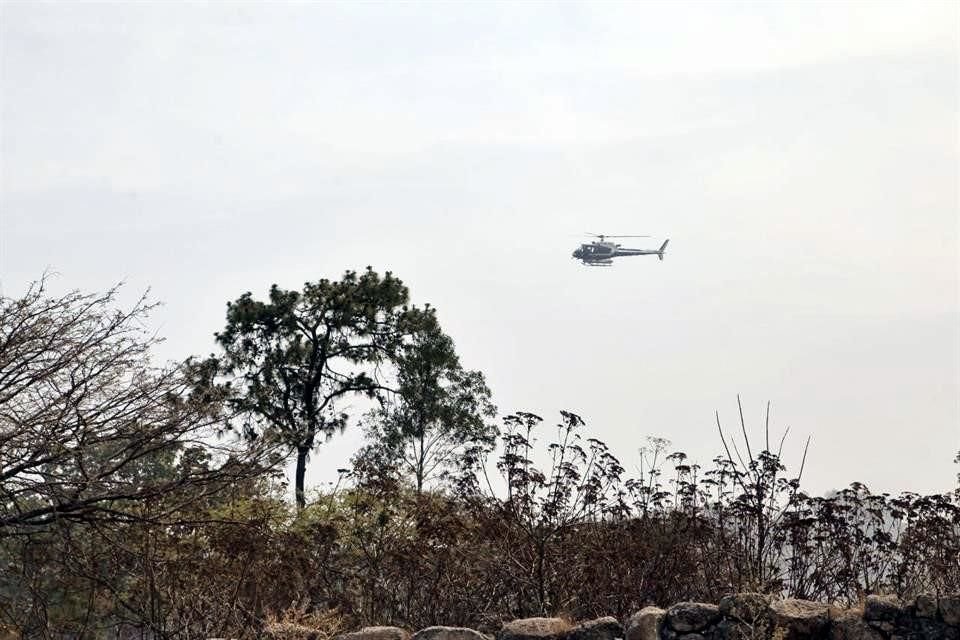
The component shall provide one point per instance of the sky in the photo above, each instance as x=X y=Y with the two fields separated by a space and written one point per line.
x=802 y=157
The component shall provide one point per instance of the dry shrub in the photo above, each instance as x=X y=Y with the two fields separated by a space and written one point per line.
x=296 y=623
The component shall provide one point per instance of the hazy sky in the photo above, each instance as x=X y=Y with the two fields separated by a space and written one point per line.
x=802 y=158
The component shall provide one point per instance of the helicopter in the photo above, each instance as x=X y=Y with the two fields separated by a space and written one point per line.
x=601 y=253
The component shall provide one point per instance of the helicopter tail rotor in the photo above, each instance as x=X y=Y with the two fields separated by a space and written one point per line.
x=662 y=248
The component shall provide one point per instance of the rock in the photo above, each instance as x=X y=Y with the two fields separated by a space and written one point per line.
x=600 y=629
x=883 y=625
x=882 y=608
x=850 y=625
x=376 y=633
x=645 y=624
x=950 y=609
x=925 y=606
x=927 y=629
x=730 y=629
x=488 y=625
x=448 y=633
x=912 y=628
x=800 y=619
x=692 y=616
x=534 y=629
x=691 y=636
x=746 y=607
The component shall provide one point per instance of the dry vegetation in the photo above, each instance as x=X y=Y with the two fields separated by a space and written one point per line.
x=145 y=501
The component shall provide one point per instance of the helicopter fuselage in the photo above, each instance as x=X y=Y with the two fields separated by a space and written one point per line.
x=603 y=253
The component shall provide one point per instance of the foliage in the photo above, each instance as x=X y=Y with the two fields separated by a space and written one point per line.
x=295 y=356
x=439 y=414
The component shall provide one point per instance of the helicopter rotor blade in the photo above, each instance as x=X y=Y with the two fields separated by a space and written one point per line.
x=607 y=235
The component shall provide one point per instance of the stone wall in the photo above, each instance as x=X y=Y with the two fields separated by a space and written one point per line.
x=752 y=616
x=745 y=616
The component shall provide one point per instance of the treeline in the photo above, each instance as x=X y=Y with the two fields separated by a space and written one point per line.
x=148 y=501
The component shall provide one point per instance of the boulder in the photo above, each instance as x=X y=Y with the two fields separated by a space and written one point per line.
x=448 y=633
x=376 y=633
x=924 y=629
x=685 y=617
x=729 y=629
x=881 y=608
x=645 y=624
x=950 y=609
x=534 y=629
x=925 y=606
x=760 y=628
x=746 y=607
x=600 y=629
x=850 y=625
x=800 y=619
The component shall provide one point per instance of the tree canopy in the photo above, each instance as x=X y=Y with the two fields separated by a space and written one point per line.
x=89 y=428
x=293 y=358
x=437 y=414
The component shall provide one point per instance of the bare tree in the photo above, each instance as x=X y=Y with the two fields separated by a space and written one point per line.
x=90 y=430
